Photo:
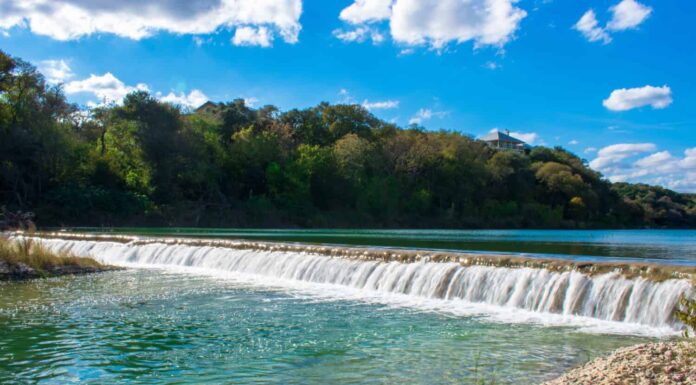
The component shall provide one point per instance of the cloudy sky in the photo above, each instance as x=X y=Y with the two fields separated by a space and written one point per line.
x=611 y=80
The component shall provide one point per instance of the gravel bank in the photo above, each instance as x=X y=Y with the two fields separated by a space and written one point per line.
x=648 y=364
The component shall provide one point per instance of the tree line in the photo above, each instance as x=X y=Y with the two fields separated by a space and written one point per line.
x=145 y=162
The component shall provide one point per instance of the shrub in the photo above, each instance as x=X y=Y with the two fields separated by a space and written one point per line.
x=38 y=257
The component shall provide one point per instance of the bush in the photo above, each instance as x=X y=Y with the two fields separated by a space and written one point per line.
x=38 y=257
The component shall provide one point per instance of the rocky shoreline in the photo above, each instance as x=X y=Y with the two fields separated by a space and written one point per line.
x=663 y=363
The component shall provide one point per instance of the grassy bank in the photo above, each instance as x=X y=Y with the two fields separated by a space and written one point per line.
x=27 y=259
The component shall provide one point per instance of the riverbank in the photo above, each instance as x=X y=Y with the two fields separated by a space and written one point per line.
x=663 y=363
x=27 y=260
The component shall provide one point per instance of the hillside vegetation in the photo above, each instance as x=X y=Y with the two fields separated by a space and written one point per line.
x=145 y=162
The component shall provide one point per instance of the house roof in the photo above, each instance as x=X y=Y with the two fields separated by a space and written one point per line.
x=501 y=137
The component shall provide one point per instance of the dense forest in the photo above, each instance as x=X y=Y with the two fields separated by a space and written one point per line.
x=145 y=162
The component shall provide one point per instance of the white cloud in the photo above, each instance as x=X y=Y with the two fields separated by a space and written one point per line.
x=628 y=14
x=382 y=105
x=627 y=164
x=407 y=51
x=527 y=137
x=194 y=99
x=251 y=101
x=106 y=88
x=685 y=182
x=629 y=98
x=359 y=35
x=589 y=27
x=573 y=142
x=137 y=19
x=689 y=160
x=250 y=36
x=609 y=158
x=491 y=65
x=654 y=160
x=622 y=149
x=436 y=23
x=55 y=71
x=420 y=116
x=345 y=97
x=590 y=150
x=365 y=11
x=426 y=114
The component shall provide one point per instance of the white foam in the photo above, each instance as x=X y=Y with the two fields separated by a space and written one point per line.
x=607 y=303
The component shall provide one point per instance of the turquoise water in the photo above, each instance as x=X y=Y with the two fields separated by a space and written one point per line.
x=157 y=327
x=194 y=315
x=661 y=246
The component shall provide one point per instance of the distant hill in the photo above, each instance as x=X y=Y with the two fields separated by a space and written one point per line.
x=146 y=162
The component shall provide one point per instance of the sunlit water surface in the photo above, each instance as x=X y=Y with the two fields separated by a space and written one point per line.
x=157 y=327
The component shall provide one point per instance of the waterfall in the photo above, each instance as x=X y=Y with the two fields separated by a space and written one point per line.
x=607 y=297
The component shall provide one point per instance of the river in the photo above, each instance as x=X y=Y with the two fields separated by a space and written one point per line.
x=192 y=311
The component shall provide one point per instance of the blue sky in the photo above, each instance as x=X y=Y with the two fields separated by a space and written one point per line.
x=615 y=85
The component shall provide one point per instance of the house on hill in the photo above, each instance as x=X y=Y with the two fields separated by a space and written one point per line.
x=503 y=141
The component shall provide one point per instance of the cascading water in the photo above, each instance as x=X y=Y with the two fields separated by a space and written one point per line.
x=607 y=297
